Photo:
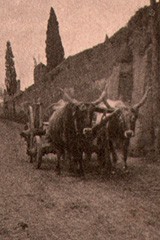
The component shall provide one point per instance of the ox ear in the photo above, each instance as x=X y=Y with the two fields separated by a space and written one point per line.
x=102 y=96
x=69 y=98
x=143 y=100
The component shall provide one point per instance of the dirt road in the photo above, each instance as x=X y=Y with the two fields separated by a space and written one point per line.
x=39 y=205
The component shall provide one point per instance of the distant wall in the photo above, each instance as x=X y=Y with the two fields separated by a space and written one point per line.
x=40 y=71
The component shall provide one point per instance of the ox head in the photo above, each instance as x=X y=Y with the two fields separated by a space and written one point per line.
x=127 y=117
x=83 y=111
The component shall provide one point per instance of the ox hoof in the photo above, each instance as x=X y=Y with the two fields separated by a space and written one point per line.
x=38 y=167
x=80 y=173
x=113 y=172
x=58 y=170
x=125 y=169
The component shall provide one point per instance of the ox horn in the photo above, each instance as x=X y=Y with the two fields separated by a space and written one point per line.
x=103 y=122
x=107 y=104
x=72 y=100
x=102 y=96
x=142 y=101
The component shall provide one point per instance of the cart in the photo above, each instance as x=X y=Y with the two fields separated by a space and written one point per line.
x=34 y=134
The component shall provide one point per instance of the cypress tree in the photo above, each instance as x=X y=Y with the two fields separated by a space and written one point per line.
x=54 y=48
x=10 y=79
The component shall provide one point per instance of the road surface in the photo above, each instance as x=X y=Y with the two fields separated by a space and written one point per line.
x=39 y=205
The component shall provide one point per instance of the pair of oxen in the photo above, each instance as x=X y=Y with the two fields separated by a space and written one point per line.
x=77 y=128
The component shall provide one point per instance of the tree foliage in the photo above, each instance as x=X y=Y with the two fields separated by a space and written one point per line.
x=152 y=2
x=54 y=47
x=10 y=79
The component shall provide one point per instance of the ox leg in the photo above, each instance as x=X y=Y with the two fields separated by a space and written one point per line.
x=114 y=156
x=106 y=143
x=88 y=157
x=81 y=170
x=108 y=158
x=104 y=159
x=80 y=163
x=101 y=158
x=125 y=153
x=70 y=161
x=58 y=167
x=101 y=155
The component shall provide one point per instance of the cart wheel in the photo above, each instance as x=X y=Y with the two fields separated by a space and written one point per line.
x=39 y=154
x=30 y=147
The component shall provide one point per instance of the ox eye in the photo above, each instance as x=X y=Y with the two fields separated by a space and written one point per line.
x=120 y=118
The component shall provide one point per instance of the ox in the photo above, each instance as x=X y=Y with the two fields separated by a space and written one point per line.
x=68 y=125
x=120 y=129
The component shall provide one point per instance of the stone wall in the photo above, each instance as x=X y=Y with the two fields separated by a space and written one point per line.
x=40 y=71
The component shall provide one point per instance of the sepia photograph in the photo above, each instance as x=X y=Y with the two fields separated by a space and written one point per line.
x=80 y=120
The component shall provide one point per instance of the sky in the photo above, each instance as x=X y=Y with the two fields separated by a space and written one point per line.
x=82 y=24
